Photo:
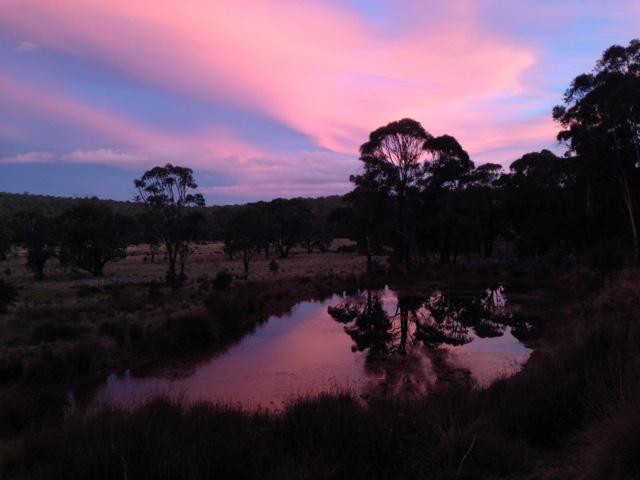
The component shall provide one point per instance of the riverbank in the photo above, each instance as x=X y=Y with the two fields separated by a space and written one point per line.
x=578 y=383
x=570 y=413
x=77 y=353
x=87 y=327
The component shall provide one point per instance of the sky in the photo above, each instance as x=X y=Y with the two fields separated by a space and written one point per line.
x=267 y=99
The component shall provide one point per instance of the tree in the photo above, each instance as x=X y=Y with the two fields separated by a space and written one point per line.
x=366 y=219
x=35 y=232
x=601 y=123
x=450 y=164
x=392 y=159
x=445 y=177
x=168 y=192
x=290 y=219
x=538 y=202
x=243 y=234
x=149 y=223
x=91 y=235
x=5 y=238
x=484 y=197
x=316 y=233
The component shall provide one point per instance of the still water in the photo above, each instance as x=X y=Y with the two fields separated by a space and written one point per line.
x=374 y=342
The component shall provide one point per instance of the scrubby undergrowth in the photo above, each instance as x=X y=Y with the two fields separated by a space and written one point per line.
x=573 y=412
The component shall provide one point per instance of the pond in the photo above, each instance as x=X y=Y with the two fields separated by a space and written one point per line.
x=384 y=342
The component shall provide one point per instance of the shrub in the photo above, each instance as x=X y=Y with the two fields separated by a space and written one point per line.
x=222 y=280
x=87 y=357
x=612 y=449
x=607 y=257
x=274 y=266
x=8 y=295
x=53 y=330
x=86 y=291
x=136 y=332
x=11 y=368
x=155 y=292
x=114 y=328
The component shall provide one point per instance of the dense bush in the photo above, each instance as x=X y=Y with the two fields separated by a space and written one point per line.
x=576 y=398
x=222 y=280
x=8 y=295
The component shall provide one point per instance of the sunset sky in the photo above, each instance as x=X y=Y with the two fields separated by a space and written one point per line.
x=268 y=99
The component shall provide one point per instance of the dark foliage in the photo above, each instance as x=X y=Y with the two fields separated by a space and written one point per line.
x=37 y=234
x=92 y=235
x=8 y=295
x=169 y=194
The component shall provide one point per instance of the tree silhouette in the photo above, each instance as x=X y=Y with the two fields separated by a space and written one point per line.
x=290 y=219
x=601 y=121
x=91 y=235
x=243 y=234
x=149 y=224
x=428 y=321
x=5 y=238
x=484 y=197
x=169 y=192
x=392 y=164
x=36 y=233
x=8 y=295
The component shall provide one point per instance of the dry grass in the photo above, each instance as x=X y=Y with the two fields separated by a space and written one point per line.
x=69 y=304
x=571 y=413
x=575 y=402
x=78 y=328
x=207 y=259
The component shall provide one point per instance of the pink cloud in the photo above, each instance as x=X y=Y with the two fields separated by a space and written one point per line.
x=252 y=170
x=64 y=109
x=317 y=67
x=320 y=68
x=144 y=145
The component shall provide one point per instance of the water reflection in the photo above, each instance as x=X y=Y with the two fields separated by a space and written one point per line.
x=397 y=342
x=459 y=336
x=433 y=320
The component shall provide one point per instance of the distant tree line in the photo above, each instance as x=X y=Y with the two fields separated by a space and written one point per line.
x=418 y=197
x=168 y=216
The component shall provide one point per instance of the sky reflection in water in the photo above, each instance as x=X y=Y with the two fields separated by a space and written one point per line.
x=309 y=351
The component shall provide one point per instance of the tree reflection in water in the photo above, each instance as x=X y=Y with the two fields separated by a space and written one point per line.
x=397 y=340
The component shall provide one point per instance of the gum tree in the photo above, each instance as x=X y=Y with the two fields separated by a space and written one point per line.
x=392 y=159
x=91 y=235
x=169 y=193
x=601 y=123
x=35 y=232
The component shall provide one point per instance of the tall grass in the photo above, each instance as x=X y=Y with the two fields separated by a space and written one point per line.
x=572 y=412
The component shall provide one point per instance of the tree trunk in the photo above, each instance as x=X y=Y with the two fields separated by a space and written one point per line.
x=630 y=199
x=369 y=257
x=172 y=254
x=98 y=269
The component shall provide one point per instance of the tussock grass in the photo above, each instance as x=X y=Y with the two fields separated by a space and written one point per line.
x=572 y=412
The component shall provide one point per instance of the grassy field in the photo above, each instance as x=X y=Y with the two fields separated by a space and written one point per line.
x=575 y=401
x=71 y=330
x=131 y=316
